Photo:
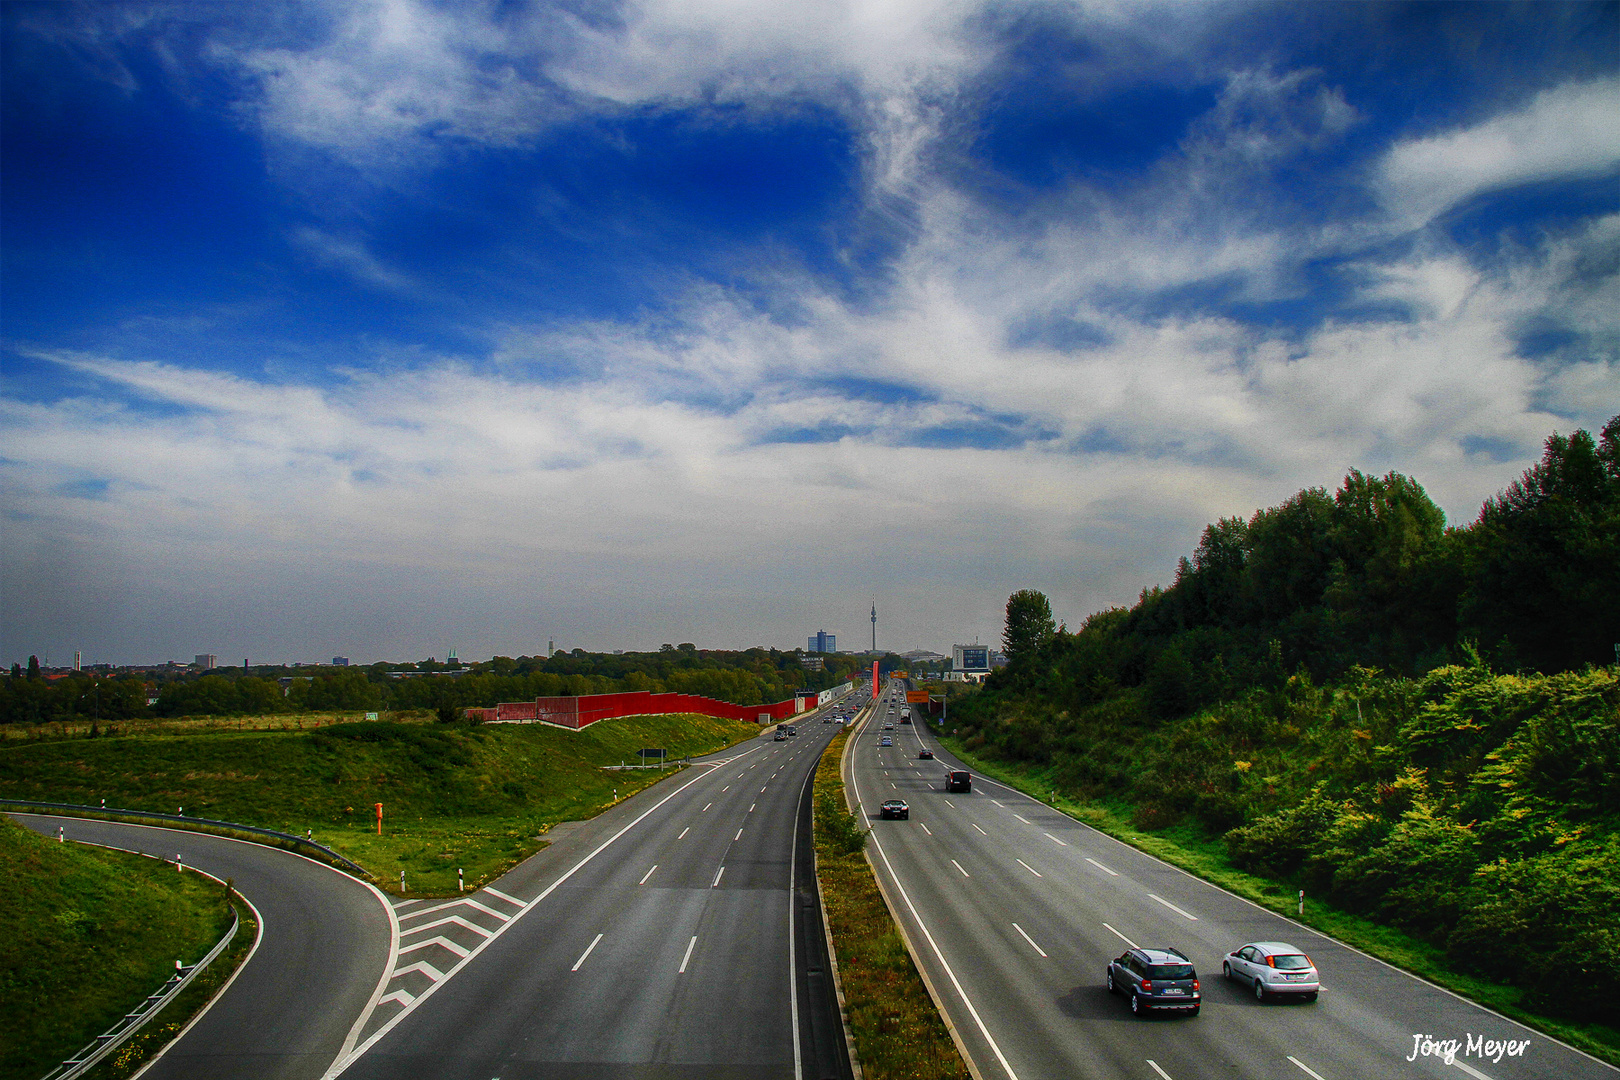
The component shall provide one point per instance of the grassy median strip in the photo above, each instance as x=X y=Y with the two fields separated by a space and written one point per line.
x=1205 y=856
x=898 y=1031
x=455 y=796
x=85 y=935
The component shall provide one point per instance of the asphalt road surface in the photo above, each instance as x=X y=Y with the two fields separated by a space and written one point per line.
x=664 y=938
x=325 y=942
x=1014 y=911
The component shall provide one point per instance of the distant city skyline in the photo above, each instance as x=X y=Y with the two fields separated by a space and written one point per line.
x=355 y=328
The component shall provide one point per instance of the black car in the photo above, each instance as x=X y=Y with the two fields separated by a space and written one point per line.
x=958 y=780
x=895 y=808
x=905 y=719
x=925 y=754
x=1156 y=980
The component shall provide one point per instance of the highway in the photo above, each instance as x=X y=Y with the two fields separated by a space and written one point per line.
x=325 y=942
x=671 y=936
x=1013 y=910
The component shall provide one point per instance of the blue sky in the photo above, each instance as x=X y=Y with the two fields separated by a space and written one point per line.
x=386 y=328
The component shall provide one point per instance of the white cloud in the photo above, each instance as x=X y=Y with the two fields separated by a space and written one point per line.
x=1563 y=133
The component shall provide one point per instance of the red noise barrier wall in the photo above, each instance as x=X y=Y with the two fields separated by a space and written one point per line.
x=578 y=712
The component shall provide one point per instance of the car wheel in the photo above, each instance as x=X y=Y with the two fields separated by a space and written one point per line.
x=1111 y=988
x=1259 y=989
x=1193 y=1011
x=1311 y=996
x=1136 y=1005
x=1226 y=970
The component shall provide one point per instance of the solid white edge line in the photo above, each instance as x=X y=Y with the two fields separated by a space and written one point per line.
x=1158 y=1070
x=996 y=1049
x=647 y=875
x=1042 y=951
x=1172 y=907
x=338 y=1068
x=1119 y=935
x=1100 y=866
x=793 y=973
x=588 y=950
x=1308 y=1070
x=1030 y=868
x=690 y=945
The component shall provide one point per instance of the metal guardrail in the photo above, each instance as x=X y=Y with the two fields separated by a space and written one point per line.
x=76 y=810
x=120 y=1032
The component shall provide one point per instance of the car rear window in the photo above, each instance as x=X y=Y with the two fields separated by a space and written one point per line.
x=1171 y=971
x=1294 y=962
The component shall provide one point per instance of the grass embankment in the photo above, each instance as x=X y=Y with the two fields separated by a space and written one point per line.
x=898 y=1031
x=1204 y=854
x=477 y=798
x=85 y=935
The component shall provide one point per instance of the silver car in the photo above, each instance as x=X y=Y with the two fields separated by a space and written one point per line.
x=1273 y=968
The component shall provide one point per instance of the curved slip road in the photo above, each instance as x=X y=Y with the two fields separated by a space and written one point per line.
x=324 y=943
x=1014 y=910
x=668 y=937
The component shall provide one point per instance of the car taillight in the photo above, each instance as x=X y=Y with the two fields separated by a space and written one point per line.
x=1195 y=984
x=1147 y=987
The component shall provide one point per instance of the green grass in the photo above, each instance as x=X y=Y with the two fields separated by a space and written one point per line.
x=454 y=796
x=85 y=935
x=1200 y=853
x=897 y=1029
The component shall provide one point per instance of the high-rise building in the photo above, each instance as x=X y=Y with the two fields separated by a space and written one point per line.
x=824 y=642
x=206 y=661
x=340 y=661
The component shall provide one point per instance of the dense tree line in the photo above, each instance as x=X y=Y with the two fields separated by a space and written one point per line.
x=1413 y=721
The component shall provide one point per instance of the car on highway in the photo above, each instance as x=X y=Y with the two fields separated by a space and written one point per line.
x=793 y=732
x=925 y=754
x=779 y=737
x=895 y=808
x=906 y=719
x=886 y=741
x=958 y=780
x=1273 y=969
x=1156 y=980
x=888 y=727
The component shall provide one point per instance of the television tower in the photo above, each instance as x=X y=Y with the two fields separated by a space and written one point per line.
x=874 y=624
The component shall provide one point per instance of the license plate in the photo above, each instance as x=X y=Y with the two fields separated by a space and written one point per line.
x=1173 y=990
x=1296 y=978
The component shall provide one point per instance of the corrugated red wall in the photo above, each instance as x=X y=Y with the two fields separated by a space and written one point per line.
x=578 y=712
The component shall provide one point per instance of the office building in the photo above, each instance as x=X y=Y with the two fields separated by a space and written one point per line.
x=824 y=642
x=206 y=661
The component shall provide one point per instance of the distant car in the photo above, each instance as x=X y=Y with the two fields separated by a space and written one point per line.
x=895 y=808
x=1156 y=980
x=925 y=754
x=779 y=737
x=1273 y=968
x=792 y=732
x=888 y=727
x=906 y=719
x=958 y=780
x=886 y=741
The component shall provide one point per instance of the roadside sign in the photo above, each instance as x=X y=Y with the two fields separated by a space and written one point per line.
x=657 y=751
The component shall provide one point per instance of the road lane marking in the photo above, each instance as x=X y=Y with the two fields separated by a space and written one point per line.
x=446 y=921
x=751 y=807
x=738 y=837
x=1119 y=935
x=1022 y=818
x=705 y=807
x=724 y=790
x=444 y=941
x=647 y=875
x=950 y=804
x=1173 y=907
x=998 y=803
x=959 y=867
x=891 y=784
x=1101 y=867
x=762 y=790
x=717 y=877
x=1054 y=840
x=586 y=953
x=463 y=902
x=1308 y=1070
x=1470 y=1070
x=1158 y=1070
x=1030 y=868
x=403 y=997
x=684 y=832
x=693 y=943
x=1042 y=951
x=497 y=893
x=925 y=829
x=424 y=968
x=975 y=824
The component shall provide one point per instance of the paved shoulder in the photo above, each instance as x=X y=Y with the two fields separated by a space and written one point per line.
x=325 y=942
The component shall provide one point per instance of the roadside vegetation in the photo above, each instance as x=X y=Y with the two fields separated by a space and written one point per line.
x=897 y=1029
x=1340 y=695
x=478 y=798
x=85 y=935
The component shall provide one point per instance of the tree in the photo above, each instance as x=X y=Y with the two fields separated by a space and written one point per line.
x=33 y=667
x=1029 y=625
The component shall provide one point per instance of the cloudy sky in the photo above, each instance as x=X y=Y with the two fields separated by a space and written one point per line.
x=386 y=328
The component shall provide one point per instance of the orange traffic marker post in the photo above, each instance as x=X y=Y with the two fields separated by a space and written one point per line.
x=379 y=819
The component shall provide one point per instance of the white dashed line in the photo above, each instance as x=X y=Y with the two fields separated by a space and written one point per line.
x=1158 y=1070
x=975 y=824
x=1042 y=951
x=950 y=804
x=1308 y=1070
x=1173 y=907
x=959 y=867
x=647 y=875
x=1119 y=935
x=705 y=807
x=684 y=832
x=717 y=874
x=998 y=803
x=1022 y=818
x=586 y=953
x=925 y=829
x=690 y=945
x=1054 y=840
x=738 y=837
x=724 y=790
x=1101 y=867
x=1030 y=868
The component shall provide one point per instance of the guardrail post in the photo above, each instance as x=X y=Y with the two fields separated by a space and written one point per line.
x=459 y=886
